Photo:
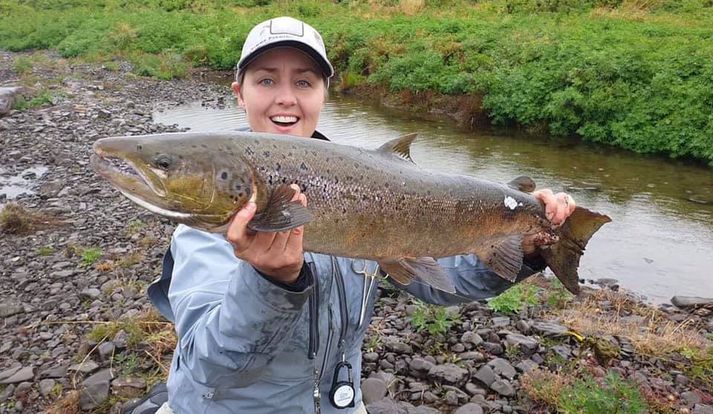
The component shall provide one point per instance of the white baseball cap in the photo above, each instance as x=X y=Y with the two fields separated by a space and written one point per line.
x=285 y=31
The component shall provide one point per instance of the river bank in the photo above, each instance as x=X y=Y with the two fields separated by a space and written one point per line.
x=77 y=329
x=624 y=73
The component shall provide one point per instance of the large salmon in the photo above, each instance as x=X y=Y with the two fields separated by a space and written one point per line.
x=372 y=204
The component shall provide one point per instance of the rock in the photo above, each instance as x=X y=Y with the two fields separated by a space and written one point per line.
x=564 y=351
x=448 y=373
x=90 y=293
x=472 y=356
x=549 y=329
x=471 y=338
x=6 y=393
x=54 y=372
x=85 y=367
x=10 y=308
x=525 y=365
x=106 y=350
x=423 y=409
x=370 y=357
x=686 y=302
x=420 y=365
x=470 y=408
x=373 y=390
x=399 y=347
x=8 y=95
x=391 y=381
x=526 y=344
x=10 y=372
x=128 y=387
x=503 y=388
x=500 y=321
x=702 y=409
x=522 y=326
x=388 y=406
x=24 y=374
x=690 y=397
x=503 y=368
x=486 y=375
x=46 y=386
x=96 y=390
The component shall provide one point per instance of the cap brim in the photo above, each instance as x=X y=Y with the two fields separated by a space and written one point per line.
x=326 y=67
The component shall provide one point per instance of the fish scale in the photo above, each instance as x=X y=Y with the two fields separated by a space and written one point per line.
x=372 y=204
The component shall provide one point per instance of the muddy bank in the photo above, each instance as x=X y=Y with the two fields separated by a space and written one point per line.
x=78 y=333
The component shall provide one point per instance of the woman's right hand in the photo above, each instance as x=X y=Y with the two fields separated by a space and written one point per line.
x=277 y=255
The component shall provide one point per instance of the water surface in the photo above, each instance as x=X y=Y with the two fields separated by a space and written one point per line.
x=659 y=243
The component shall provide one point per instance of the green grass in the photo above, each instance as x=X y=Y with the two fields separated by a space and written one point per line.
x=626 y=73
x=91 y=255
x=432 y=319
x=514 y=299
x=572 y=394
x=45 y=251
x=41 y=99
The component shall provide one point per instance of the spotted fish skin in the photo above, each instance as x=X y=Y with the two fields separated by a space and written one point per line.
x=373 y=204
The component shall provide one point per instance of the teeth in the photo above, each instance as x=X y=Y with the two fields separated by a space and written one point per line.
x=285 y=119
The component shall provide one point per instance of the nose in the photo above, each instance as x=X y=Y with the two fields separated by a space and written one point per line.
x=286 y=95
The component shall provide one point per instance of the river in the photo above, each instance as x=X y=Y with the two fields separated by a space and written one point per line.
x=659 y=243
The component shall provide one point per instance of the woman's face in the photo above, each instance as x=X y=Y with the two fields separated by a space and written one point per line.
x=282 y=92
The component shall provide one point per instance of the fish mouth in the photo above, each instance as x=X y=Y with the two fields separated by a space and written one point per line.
x=140 y=185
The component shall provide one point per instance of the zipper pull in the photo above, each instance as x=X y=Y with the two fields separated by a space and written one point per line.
x=316 y=395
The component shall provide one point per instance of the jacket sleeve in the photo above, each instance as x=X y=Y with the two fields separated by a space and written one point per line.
x=230 y=320
x=471 y=278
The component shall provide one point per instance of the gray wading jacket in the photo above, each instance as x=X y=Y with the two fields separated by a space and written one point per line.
x=250 y=345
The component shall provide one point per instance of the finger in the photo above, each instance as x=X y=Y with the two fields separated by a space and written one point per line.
x=238 y=234
x=548 y=199
x=571 y=204
x=297 y=193
x=563 y=208
x=261 y=243
x=280 y=242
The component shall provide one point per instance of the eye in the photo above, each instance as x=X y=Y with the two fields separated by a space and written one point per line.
x=223 y=175
x=303 y=83
x=163 y=161
x=266 y=82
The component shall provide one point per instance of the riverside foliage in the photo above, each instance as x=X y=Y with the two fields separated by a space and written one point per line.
x=636 y=74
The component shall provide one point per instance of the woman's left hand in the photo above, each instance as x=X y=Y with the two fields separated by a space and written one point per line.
x=557 y=208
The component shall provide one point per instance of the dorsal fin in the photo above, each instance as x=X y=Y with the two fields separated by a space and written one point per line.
x=400 y=146
x=522 y=183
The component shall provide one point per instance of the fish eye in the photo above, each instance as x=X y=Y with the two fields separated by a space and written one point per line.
x=163 y=161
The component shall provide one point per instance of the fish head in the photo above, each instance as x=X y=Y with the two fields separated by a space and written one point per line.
x=183 y=177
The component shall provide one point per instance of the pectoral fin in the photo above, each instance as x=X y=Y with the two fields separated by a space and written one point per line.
x=424 y=269
x=281 y=213
x=503 y=255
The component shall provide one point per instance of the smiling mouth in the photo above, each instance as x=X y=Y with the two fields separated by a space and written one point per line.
x=284 y=120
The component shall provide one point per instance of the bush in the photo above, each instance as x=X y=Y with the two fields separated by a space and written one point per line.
x=514 y=299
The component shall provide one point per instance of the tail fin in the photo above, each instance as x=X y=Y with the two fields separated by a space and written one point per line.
x=563 y=256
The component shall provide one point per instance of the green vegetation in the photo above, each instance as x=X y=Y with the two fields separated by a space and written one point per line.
x=91 y=255
x=629 y=73
x=514 y=299
x=45 y=251
x=436 y=320
x=584 y=395
x=41 y=99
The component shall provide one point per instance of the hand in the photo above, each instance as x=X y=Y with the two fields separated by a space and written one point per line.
x=557 y=208
x=277 y=255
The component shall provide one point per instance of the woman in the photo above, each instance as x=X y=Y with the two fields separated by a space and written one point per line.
x=264 y=327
